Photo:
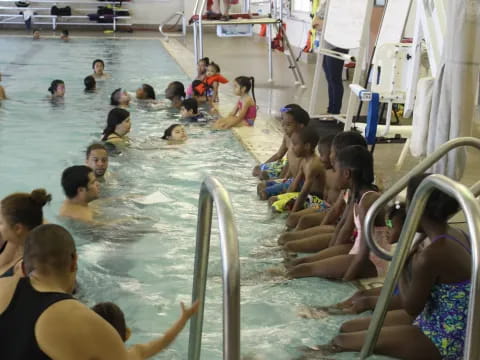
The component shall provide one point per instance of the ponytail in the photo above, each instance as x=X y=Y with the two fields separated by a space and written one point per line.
x=248 y=83
x=360 y=162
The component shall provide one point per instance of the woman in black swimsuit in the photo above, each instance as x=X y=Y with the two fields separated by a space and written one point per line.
x=19 y=214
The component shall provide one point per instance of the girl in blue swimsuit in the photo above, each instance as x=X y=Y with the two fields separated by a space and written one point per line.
x=434 y=290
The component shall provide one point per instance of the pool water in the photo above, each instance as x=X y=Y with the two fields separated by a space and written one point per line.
x=145 y=263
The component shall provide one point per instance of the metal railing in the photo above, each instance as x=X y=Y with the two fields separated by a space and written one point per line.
x=401 y=184
x=471 y=209
x=180 y=16
x=213 y=191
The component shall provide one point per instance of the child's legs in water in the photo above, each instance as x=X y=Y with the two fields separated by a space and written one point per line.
x=336 y=250
x=398 y=341
x=310 y=244
x=311 y=220
x=394 y=317
x=332 y=268
x=297 y=235
x=295 y=217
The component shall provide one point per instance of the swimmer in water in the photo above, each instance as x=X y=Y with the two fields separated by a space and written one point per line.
x=189 y=112
x=175 y=92
x=57 y=89
x=3 y=96
x=81 y=187
x=65 y=35
x=97 y=160
x=98 y=67
x=120 y=98
x=175 y=134
x=118 y=126
x=20 y=213
x=114 y=315
x=36 y=34
x=90 y=83
x=145 y=92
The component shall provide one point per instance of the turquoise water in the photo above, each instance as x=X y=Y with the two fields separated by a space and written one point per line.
x=146 y=264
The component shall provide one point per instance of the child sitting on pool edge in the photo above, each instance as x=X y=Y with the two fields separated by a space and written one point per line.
x=114 y=315
x=189 y=112
x=245 y=111
x=294 y=117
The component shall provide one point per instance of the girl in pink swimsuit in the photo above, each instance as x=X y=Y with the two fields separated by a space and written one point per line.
x=245 y=111
x=354 y=171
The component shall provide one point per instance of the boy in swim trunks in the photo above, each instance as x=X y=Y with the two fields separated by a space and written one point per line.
x=314 y=204
x=294 y=118
x=311 y=172
x=114 y=315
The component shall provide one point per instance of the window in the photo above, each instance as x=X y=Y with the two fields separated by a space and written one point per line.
x=301 y=6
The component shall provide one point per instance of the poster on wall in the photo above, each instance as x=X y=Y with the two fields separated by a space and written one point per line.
x=345 y=23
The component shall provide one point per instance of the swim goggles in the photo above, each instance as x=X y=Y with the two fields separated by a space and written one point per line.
x=285 y=109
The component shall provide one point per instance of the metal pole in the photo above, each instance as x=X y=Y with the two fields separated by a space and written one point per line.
x=204 y=225
x=200 y=30
x=318 y=64
x=195 y=43
x=382 y=201
x=471 y=208
x=352 y=101
x=213 y=191
x=270 y=62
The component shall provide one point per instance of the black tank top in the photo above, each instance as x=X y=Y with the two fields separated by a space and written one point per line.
x=17 y=322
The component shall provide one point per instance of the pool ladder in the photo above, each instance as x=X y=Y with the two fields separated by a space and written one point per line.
x=180 y=16
x=471 y=208
x=213 y=191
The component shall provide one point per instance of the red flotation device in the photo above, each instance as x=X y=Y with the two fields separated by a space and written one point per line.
x=201 y=88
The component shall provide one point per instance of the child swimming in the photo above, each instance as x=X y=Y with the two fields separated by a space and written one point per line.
x=114 y=315
x=145 y=92
x=98 y=67
x=175 y=134
x=245 y=111
x=118 y=126
x=65 y=35
x=36 y=34
x=189 y=112
x=90 y=83
x=57 y=89
x=434 y=289
x=175 y=92
x=3 y=95
x=294 y=117
x=120 y=98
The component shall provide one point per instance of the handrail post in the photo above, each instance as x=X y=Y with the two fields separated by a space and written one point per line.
x=383 y=200
x=471 y=208
x=211 y=192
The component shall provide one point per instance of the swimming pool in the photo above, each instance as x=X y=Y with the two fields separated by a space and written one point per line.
x=146 y=265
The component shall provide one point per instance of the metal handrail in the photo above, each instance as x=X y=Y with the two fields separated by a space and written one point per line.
x=184 y=25
x=213 y=191
x=368 y=229
x=471 y=208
